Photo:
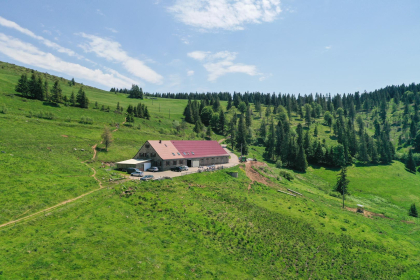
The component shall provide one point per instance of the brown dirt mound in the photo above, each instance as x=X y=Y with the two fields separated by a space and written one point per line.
x=254 y=175
x=65 y=136
x=368 y=213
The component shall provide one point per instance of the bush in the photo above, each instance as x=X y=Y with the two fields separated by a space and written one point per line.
x=279 y=163
x=67 y=119
x=86 y=120
x=3 y=109
x=286 y=175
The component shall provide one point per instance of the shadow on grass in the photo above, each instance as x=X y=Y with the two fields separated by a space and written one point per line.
x=55 y=105
x=332 y=137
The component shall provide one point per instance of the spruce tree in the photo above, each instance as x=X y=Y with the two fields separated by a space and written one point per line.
x=342 y=182
x=301 y=163
x=248 y=117
x=22 y=85
x=73 y=100
x=241 y=136
x=32 y=86
x=271 y=142
x=410 y=163
x=413 y=211
x=222 y=123
x=56 y=93
x=209 y=132
x=232 y=131
x=46 y=90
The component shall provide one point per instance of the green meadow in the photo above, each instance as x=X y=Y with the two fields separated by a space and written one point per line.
x=207 y=225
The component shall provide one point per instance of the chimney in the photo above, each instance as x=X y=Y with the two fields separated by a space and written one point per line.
x=160 y=141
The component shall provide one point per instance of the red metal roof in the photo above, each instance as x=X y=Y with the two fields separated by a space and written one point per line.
x=199 y=148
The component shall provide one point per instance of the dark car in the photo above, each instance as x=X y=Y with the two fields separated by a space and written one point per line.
x=176 y=168
x=131 y=170
x=153 y=169
x=137 y=174
x=147 y=178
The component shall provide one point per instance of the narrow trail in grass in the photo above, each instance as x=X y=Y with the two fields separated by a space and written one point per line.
x=66 y=201
x=221 y=140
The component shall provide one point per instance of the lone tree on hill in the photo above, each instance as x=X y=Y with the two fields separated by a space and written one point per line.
x=413 y=211
x=411 y=164
x=107 y=138
x=342 y=182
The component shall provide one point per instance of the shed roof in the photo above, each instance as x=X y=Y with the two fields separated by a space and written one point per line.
x=165 y=149
x=133 y=161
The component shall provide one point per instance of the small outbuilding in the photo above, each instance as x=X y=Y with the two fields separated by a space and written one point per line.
x=142 y=164
x=360 y=208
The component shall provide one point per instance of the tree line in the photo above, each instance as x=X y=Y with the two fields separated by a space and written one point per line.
x=37 y=88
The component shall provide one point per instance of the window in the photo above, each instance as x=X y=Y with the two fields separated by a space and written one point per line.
x=173 y=154
x=181 y=162
x=153 y=154
x=174 y=162
x=167 y=163
x=188 y=153
x=192 y=153
x=184 y=153
x=178 y=154
x=147 y=146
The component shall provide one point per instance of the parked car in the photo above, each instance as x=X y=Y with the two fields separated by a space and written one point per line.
x=153 y=169
x=147 y=178
x=176 y=169
x=137 y=174
x=184 y=168
x=131 y=170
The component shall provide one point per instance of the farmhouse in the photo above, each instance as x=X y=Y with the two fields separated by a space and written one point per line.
x=166 y=154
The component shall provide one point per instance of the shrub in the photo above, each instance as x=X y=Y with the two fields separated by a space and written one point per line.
x=67 y=119
x=3 y=109
x=279 y=163
x=86 y=120
x=286 y=175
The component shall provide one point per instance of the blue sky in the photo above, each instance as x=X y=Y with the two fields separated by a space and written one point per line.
x=218 y=45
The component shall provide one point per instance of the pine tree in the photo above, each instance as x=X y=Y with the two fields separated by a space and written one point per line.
x=241 y=136
x=410 y=163
x=22 y=85
x=248 y=117
x=342 y=182
x=107 y=138
x=46 y=90
x=232 y=131
x=73 y=100
x=32 y=86
x=222 y=123
x=39 y=93
x=56 y=93
x=308 y=117
x=413 y=211
x=271 y=142
x=301 y=163
x=209 y=132
x=198 y=127
x=229 y=105
x=316 y=131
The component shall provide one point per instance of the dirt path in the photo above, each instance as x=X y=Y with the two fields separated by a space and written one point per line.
x=60 y=204
x=221 y=140
x=66 y=201
x=118 y=126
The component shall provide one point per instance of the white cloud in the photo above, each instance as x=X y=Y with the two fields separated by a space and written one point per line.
x=112 y=51
x=99 y=12
x=190 y=73
x=198 y=55
x=10 y=24
x=47 y=32
x=111 y=29
x=29 y=54
x=328 y=47
x=221 y=63
x=224 y=14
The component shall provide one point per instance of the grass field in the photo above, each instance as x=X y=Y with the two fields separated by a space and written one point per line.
x=196 y=226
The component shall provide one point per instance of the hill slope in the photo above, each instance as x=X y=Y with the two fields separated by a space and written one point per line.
x=202 y=225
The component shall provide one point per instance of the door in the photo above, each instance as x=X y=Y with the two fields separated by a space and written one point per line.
x=189 y=163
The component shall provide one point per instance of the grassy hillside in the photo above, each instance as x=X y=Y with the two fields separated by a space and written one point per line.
x=197 y=226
